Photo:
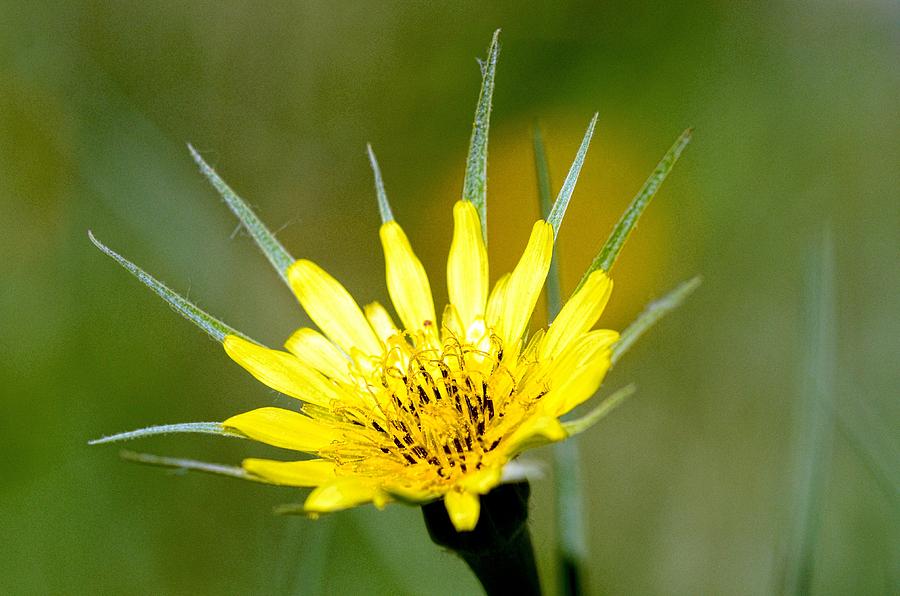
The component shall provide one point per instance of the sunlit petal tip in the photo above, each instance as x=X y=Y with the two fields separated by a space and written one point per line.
x=282 y=371
x=524 y=285
x=332 y=308
x=578 y=315
x=467 y=264
x=406 y=279
x=283 y=428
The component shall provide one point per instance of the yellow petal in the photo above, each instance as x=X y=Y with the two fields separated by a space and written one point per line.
x=467 y=265
x=495 y=302
x=408 y=495
x=381 y=321
x=311 y=472
x=463 y=508
x=451 y=325
x=282 y=371
x=482 y=481
x=534 y=432
x=406 y=279
x=332 y=308
x=578 y=315
x=283 y=428
x=525 y=283
x=577 y=372
x=341 y=493
x=314 y=349
x=551 y=374
x=581 y=384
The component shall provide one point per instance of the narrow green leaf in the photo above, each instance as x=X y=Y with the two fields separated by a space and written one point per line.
x=189 y=464
x=582 y=423
x=553 y=285
x=555 y=217
x=610 y=251
x=211 y=325
x=384 y=208
x=653 y=313
x=209 y=428
x=475 y=183
x=280 y=259
x=814 y=422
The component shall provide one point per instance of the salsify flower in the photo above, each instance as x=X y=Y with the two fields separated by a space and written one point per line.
x=438 y=403
x=435 y=407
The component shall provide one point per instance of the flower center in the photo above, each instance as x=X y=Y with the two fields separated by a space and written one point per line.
x=437 y=413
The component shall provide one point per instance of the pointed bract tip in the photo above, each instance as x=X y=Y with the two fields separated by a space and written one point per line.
x=103 y=248
x=555 y=217
x=384 y=207
x=195 y=155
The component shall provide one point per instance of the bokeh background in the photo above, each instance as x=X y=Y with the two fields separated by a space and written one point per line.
x=725 y=474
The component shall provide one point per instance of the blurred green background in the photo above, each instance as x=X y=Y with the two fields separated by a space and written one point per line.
x=726 y=473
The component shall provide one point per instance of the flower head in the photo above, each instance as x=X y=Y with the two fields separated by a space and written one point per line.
x=433 y=407
x=439 y=405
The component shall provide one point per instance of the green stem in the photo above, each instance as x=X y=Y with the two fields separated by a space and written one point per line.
x=499 y=549
x=572 y=549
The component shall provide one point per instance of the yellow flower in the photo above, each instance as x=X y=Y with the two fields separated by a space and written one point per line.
x=435 y=407
x=432 y=408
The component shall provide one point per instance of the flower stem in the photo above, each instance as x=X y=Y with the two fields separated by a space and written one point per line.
x=499 y=549
x=572 y=548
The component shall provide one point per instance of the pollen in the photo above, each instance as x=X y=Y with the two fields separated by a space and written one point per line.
x=439 y=412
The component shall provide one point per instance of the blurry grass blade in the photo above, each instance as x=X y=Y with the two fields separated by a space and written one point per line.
x=581 y=424
x=189 y=464
x=302 y=557
x=265 y=239
x=383 y=206
x=814 y=424
x=211 y=325
x=873 y=441
x=653 y=313
x=553 y=285
x=209 y=428
x=475 y=183
x=555 y=217
x=610 y=251
x=543 y=172
x=294 y=509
